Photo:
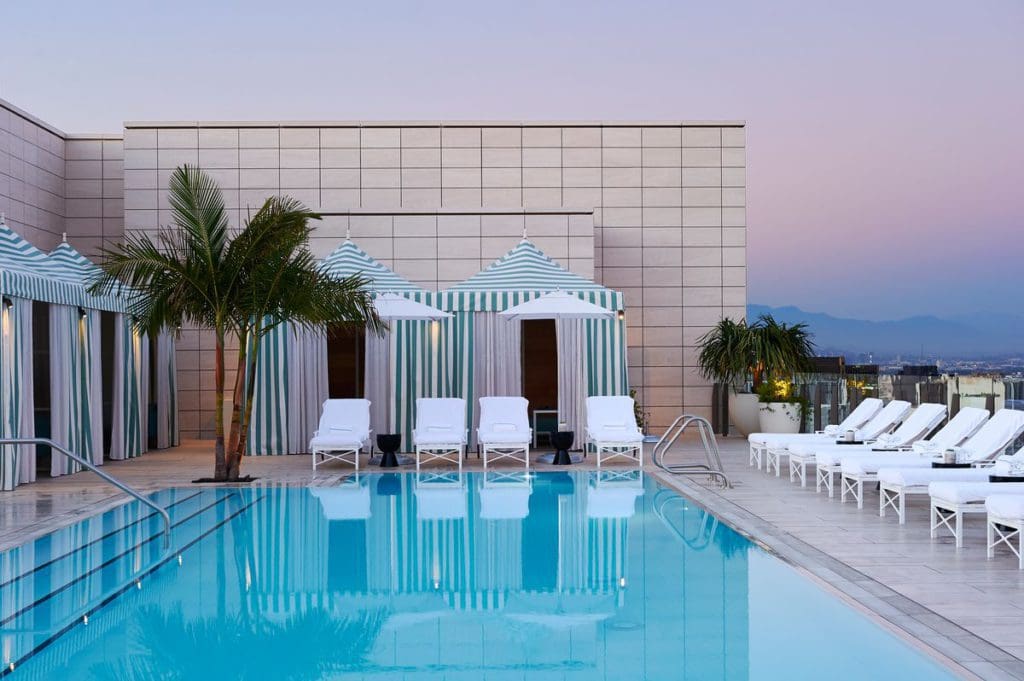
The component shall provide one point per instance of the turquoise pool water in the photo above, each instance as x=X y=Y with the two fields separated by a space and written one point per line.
x=556 y=576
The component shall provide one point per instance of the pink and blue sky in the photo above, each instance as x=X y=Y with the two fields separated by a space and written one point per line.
x=885 y=139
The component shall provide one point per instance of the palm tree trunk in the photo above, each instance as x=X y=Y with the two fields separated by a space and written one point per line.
x=220 y=470
x=237 y=406
x=250 y=390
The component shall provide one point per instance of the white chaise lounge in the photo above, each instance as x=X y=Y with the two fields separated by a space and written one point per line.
x=919 y=425
x=914 y=476
x=612 y=429
x=951 y=500
x=1005 y=522
x=760 y=442
x=440 y=431
x=343 y=432
x=882 y=423
x=857 y=468
x=504 y=431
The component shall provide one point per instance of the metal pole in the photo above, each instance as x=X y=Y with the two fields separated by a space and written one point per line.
x=109 y=478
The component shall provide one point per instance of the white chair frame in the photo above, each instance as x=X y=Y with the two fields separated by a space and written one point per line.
x=347 y=455
x=505 y=450
x=1005 y=531
x=950 y=515
x=611 y=449
x=442 y=451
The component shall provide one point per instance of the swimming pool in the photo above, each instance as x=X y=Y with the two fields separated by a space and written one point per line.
x=392 y=576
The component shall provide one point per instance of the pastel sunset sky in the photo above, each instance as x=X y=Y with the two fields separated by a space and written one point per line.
x=885 y=139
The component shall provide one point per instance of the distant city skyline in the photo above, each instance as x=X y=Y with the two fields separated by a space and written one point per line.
x=885 y=149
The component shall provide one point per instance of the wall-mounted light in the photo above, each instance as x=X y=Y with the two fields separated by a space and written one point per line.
x=82 y=313
x=8 y=303
x=622 y=315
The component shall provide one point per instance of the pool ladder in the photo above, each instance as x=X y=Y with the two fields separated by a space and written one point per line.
x=130 y=491
x=713 y=466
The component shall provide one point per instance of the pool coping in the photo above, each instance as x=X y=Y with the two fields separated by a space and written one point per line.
x=958 y=649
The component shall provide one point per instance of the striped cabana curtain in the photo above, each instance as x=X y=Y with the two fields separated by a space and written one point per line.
x=605 y=354
x=291 y=385
x=74 y=412
x=17 y=402
x=129 y=430
x=166 y=392
x=572 y=375
x=497 y=356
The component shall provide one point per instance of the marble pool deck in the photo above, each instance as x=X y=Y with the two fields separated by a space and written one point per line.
x=954 y=603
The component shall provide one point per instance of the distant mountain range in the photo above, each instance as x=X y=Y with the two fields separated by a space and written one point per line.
x=979 y=335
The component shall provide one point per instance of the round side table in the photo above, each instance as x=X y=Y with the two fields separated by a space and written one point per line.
x=562 y=441
x=388 y=444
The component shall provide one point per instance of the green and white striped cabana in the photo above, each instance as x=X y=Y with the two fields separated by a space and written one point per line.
x=130 y=426
x=291 y=369
x=28 y=275
x=592 y=353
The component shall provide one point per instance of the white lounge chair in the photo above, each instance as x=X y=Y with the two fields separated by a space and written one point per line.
x=951 y=500
x=760 y=442
x=505 y=496
x=1005 y=522
x=612 y=429
x=857 y=468
x=913 y=477
x=440 y=431
x=882 y=423
x=504 y=431
x=441 y=497
x=349 y=501
x=343 y=432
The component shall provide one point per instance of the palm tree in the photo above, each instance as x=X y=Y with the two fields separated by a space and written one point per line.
x=732 y=351
x=239 y=284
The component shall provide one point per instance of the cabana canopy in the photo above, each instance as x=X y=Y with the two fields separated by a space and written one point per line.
x=27 y=272
x=72 y=266
x=522 y=274
x=348 y=259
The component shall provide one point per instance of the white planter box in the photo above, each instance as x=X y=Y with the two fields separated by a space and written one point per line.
x=779 y=417
x=743 y=412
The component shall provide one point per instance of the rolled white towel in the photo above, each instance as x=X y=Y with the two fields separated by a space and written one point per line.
x=832 y=430
x=888 y=440
x=926 y=447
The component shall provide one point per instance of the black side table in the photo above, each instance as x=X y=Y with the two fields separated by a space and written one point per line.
x=562 y=440
x=388 y=444
x=939 y=464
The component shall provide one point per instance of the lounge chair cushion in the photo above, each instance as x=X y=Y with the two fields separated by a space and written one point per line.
x=971 y=492
x=918 y=477
x=336 y=439
x=504 y=420
x=610 y=419
x=868 y=464
x=1005 y=505
x=438 y=436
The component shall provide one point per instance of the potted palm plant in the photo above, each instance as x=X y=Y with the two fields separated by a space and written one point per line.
x=746 y=356
x=780 y=352
x=725 y=357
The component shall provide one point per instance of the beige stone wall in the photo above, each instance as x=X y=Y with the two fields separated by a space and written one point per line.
x=94 y=192
x=668 y=202
x=31 y=176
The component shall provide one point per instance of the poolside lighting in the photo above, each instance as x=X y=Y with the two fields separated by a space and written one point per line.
x=8 y=303
x=82 y=313
x=622 y=315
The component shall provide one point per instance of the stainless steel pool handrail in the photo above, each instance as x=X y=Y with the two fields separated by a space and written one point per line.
x=127 y=489
x=712 y=468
